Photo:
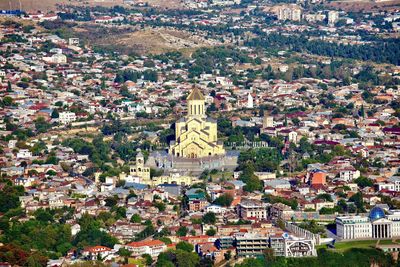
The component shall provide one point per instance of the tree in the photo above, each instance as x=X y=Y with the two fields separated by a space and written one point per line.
x=126 y=253
x=9 y=197
x=41 y=125
x=43 y=215
x=120 y=212
x=55 y=114
x=148 y=231
x=165 y=259
x=159 y=205
x=209 y=218
x=364 y=182
x=211 y=232
x=358 y=201
x=149 y=260
x=224 y=200
x=182 y=231
x=136 y=218
x=91 y=234
x=111 y=201
x=228 y=255
x=166 y=240
x=253 y=183
x=326 y=197
x=9 y=87
x=185 y=246
x=186 y=259
x=7 y=101
x=36 y=260
x=269 y=255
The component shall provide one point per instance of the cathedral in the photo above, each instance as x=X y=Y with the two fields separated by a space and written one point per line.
x=196 y=148
x=196 y=135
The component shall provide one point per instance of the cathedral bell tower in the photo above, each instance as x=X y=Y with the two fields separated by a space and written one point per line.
x=196 y=104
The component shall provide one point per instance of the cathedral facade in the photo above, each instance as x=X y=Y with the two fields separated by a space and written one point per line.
x=196 y=135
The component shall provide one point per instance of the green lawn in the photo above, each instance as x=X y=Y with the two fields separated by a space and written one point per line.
x=388 y=242
x=139 y=262
x=342 y=246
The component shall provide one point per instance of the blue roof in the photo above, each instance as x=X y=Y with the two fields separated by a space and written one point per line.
x=46 y=110
x=169 y=185
x=376 y=213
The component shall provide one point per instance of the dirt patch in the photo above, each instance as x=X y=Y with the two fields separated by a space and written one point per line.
x=51 y=5
x=170 y=4
x=144 y=41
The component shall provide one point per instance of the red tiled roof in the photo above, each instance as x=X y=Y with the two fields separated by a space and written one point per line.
x=146 y=243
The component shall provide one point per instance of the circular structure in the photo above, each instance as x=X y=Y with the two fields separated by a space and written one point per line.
x=376 y=213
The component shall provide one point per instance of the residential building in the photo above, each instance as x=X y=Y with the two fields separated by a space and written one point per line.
x=66 y=117
x=252 y=209
x=151 y=247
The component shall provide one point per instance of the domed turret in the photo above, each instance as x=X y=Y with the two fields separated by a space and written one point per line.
x=376 y=213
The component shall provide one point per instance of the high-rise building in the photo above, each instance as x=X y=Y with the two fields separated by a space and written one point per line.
x=292 y=12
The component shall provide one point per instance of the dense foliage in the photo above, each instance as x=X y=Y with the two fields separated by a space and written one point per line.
x=382 y=51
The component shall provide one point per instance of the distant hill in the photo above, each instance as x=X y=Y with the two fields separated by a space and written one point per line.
x=50 y=5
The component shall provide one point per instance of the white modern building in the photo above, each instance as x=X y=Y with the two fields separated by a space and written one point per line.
x=333 y=17
x=56 y=59
x=393 y=184
x=215 y=209
x=349 y=174
x=249 y=208
x=377 y=225
x=24 y=154
x=67 y=117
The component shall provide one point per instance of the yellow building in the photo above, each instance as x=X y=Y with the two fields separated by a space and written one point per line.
x=196 y=135
x=173 y=178
x=140 y=170
x=143 y=172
